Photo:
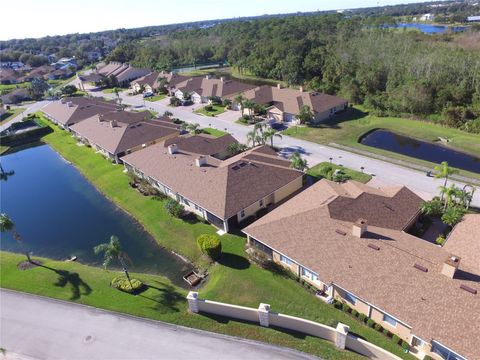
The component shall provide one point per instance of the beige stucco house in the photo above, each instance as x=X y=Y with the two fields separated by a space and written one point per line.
x=351 y=242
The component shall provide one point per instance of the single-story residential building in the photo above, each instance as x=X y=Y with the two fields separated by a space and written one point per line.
x=204 y=144
x=203 y=88
x=152 y=81
x=41 y=72
x=16 y=96
x=9 y=76
x=117 y=133
x=124 y=73
x=350 y=241
x=284 y=104
x=69 y=111
x=223 y=192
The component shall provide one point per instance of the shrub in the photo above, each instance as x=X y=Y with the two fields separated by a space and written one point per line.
x=121 y=283
x=378 y=327
x=395 y=339
x=428 y=357
x=370 y=323
x=386 y=332
x=345 y=307
x=354 y=312
x=362 y=317
x=210 y=246
x=208 y=107
x=440 y=240
x=405 y=345
x=174 y=208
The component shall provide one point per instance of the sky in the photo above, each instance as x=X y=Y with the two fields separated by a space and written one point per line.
x=38 y=18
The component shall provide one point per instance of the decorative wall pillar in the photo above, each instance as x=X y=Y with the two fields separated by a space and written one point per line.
x=192 y=299
x=263 y=314
x=341 y=335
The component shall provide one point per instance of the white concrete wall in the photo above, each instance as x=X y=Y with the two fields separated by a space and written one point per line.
x=227 y=310
x=303 y=326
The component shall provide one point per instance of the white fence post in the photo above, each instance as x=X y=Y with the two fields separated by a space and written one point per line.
x=192 y=298
x=263 y=314
x=341 y=335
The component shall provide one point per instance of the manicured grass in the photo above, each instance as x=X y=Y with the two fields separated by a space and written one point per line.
x=347 y=128
x=111 y=90
x=215 y=110
x=234 y=279
x=156 y=97
x=318 y=172
x=9 y=87
x=10 y=114
x=214 y=132
x=82 y=284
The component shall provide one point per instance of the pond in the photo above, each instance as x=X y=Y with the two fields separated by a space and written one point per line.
x=59 y=214
x=430 y=28
x=436 y=153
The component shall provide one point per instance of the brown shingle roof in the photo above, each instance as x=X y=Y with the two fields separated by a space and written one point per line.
x=431 y=303
x=120 y=131
x=69 y=111
x=202 y=144
x=223 y=188
x=207 y=87
x=153 y=79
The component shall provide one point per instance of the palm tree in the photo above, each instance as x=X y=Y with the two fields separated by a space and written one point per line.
x=249 y=105
x=269 y=134
x=113 y=251
x=253 y=138
x=168 y=114
x=235 y=148
x=449 y=193
x=191 y=128
x=7 y=224
x=239 y=99
x=297 y=162
x=306 y=115
x=444 y=171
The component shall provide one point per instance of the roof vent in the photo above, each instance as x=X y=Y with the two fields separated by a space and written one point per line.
x=450 y=266
x=374 y=247
x=172 y=149
x=469 y=289
x=340 y=232
x=113 y=123
x=420 y=267
x=200 y=161
x=359 y=227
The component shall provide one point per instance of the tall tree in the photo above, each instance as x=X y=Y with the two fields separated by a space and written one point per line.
x=443 y=171
x=113 y=251
x=270 y=134
x=7 y=225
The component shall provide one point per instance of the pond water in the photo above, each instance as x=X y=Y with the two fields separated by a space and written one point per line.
x=59 y=214
x=436 y=153
x=430 y=28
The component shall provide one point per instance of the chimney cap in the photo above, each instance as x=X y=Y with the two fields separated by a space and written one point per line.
x=453 y=260
x=361 y=221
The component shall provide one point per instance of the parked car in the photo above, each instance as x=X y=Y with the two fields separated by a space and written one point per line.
x=147 y=94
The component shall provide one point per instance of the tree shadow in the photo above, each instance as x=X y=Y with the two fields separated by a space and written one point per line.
x=348 y=115
x=166 y=298
x=190 y=218
x=78 y=287
x=287 y=151
x=277 y=270
x=234 y=261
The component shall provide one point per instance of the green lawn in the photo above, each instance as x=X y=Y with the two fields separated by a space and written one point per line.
x=111 y=90
x=318 y=172
x=216 y=110
x=232 y=280
x=156 y=97
x=9 y=87
x=348 y=127
x=214 y=132
x=10 y=114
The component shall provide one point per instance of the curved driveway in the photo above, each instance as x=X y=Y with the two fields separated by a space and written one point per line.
x=40 y=328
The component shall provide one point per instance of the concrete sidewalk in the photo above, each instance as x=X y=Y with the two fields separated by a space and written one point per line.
x=34 y=327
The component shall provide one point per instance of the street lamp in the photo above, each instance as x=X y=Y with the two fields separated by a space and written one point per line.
x=362 y=168
x=330 y=160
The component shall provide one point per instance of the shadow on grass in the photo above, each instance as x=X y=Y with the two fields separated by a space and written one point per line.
x=348 y=115
x=227 y=320
x=190 y=218
x=78 y=287
x=166 y=297
x=234 y=261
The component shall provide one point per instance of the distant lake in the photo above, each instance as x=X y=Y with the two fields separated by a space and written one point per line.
x=430 y=28
x=436 y=153
x=59 y=214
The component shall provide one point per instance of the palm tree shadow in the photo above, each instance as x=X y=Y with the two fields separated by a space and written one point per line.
x=78 y=287
x=166 y=297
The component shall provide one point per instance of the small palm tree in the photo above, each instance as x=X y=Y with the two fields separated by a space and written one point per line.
x=270 y=134
x=7 y=225
x=191 y=128
x=253 y=138
x=297 y=162
x=249 y=105
x=113 y=251
x=449 y=193
x=306 y=115
x=168 y=114
x=239 y=99
x=444 y=171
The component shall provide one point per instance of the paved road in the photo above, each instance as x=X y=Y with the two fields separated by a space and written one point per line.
x=42 y=328
x=29 y=108
x=385 y=173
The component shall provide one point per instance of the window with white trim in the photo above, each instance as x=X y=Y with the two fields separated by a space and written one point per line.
x=310 y=275
x=350 y=298
x=444 y=352
x=389 y=320
x=286 y=260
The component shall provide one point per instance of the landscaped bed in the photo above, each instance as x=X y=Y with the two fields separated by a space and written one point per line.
x=211 y=110
x=155 y=97
x=326 y=170
x=214 y=132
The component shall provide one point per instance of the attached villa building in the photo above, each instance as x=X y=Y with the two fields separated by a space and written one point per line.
x=124 y=73
x=350 y=241
x=284 y=104
x=117 y=133
x=152 y=82
x=225 y=193
x=69 y=111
